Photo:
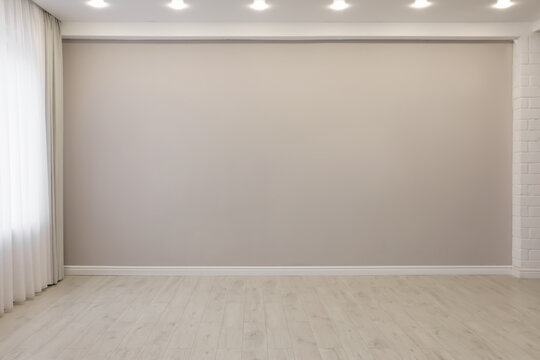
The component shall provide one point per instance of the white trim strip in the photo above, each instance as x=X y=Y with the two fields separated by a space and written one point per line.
x=286 y=270
x=294 y=31
x=524 y=273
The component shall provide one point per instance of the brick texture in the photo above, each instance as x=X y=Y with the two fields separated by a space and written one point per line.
x=526 y=167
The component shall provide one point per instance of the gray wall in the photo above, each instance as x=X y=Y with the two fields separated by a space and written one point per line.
x=288 y=153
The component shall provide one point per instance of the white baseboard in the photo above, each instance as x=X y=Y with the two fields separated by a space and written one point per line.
x=524 y=273
x=286 y=270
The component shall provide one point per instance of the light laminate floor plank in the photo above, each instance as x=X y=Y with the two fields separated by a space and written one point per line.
x=277 y=318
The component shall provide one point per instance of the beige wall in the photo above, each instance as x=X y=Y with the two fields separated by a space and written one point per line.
x=288 y=153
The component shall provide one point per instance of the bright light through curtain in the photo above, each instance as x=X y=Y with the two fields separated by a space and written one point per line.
x=30 y=123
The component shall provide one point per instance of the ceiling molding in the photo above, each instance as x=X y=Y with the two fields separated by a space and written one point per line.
x=295 y=31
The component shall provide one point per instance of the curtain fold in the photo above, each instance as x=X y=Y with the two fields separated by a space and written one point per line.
x=30 y=124
x=55 y=136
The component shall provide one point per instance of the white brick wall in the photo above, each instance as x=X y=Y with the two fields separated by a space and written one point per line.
x=526 y=168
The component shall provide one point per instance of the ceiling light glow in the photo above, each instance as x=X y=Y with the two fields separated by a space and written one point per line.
x=259 y=5
x=420 y=4
x=97 y=3
x=503 y=4
x=177 y=4
x=339 y=5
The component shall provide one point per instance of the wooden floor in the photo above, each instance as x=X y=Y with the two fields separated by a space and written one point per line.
x=278 y=318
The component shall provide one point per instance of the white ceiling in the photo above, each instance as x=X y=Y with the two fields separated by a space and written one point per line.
x=292 y=11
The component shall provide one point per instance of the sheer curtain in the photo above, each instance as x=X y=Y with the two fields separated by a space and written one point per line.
x=29 y=212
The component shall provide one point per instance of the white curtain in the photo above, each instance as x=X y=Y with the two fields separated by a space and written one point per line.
x=54 y=102
x=27 y=231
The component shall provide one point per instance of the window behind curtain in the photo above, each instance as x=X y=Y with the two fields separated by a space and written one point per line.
x=24 y=197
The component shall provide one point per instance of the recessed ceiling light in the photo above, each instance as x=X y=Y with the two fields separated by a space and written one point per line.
x=97 y=3
x=503 y=4
x=420 y=4
x=339 y=5
x=259 y=5
x=177 y=4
